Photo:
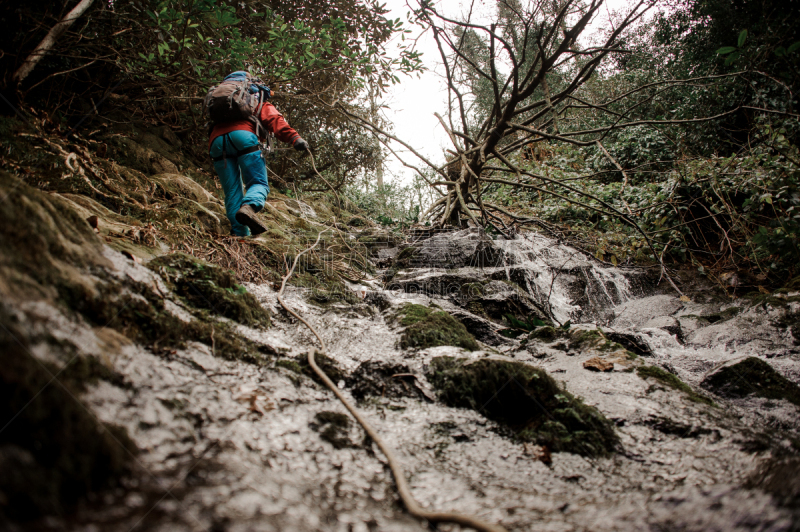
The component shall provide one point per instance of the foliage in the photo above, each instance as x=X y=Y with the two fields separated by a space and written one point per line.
x=719 y=193
x=394 y=204
x=151 y=61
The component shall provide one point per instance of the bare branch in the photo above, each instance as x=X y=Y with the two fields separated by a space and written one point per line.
x=49 y=40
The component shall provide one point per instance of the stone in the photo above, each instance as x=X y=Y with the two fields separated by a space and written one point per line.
x=667 y=323
x=598 y=364
x=639 y=311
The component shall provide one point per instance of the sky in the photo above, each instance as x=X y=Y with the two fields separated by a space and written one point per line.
x=413 y=102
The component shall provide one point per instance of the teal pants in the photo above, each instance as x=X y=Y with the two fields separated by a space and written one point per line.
x=243 y=177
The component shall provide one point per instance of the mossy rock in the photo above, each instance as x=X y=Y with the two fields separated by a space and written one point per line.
x=470 y=290
x=146 y=321
x=752 y=376
x=546 y=333
x=210 y=287
x=581 y=339
x=672 y=381
x=527 y=400
x=427 y=327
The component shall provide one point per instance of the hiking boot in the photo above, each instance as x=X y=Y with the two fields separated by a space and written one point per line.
x=247 y=216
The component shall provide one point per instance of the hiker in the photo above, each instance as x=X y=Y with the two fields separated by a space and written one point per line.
x=240 y=118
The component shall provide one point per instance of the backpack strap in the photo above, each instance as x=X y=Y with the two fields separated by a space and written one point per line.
x=239 y=153
x=256 y=117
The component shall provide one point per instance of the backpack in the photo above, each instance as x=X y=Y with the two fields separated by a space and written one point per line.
x=238 y=97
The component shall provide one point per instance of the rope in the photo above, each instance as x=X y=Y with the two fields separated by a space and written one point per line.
x=397 y=471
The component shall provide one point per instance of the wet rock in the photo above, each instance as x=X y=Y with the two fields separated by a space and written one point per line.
x=527 y=400
x=666 y=323
x=752 y=376
x=53 y=451
x=669 y=426
x=556 y=280
x=633 y=342
x=450 y=250
x=780 y=477
x=333 y=428
x=378 y=379
x=690 y=323
x=497 y=299
x=639 y=311
x=598 y=364
x=481 y=328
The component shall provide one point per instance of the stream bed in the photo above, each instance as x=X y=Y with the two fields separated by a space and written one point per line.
x=226 y=445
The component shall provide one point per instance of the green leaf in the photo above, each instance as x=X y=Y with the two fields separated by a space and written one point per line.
x=742 y=38
x=793 y=47
x=726 y=50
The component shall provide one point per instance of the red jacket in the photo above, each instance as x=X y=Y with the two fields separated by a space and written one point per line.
x=271 y=120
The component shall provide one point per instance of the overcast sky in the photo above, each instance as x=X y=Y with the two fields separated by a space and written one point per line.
x=411 y=103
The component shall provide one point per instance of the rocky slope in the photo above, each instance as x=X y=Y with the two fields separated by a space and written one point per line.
x=518 y=380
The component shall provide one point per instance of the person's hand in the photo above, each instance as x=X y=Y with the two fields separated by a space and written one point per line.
x=301 y=145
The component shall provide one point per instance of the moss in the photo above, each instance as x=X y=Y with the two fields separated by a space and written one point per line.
x=547 y=333
x=356 y=221
x=586 y=339
x=477 y=308
x=793 y=284
x=752 y=376
x=146 y=321
x=52 y=450
x=468 y=290
x=289 y=364
x=210 y=287
x=525 y=399
x=405 y=259
x=324 y=287
x=668 y=379
x=82 y=370
x=427 y=327
x=332 y=427
x=326 y=364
